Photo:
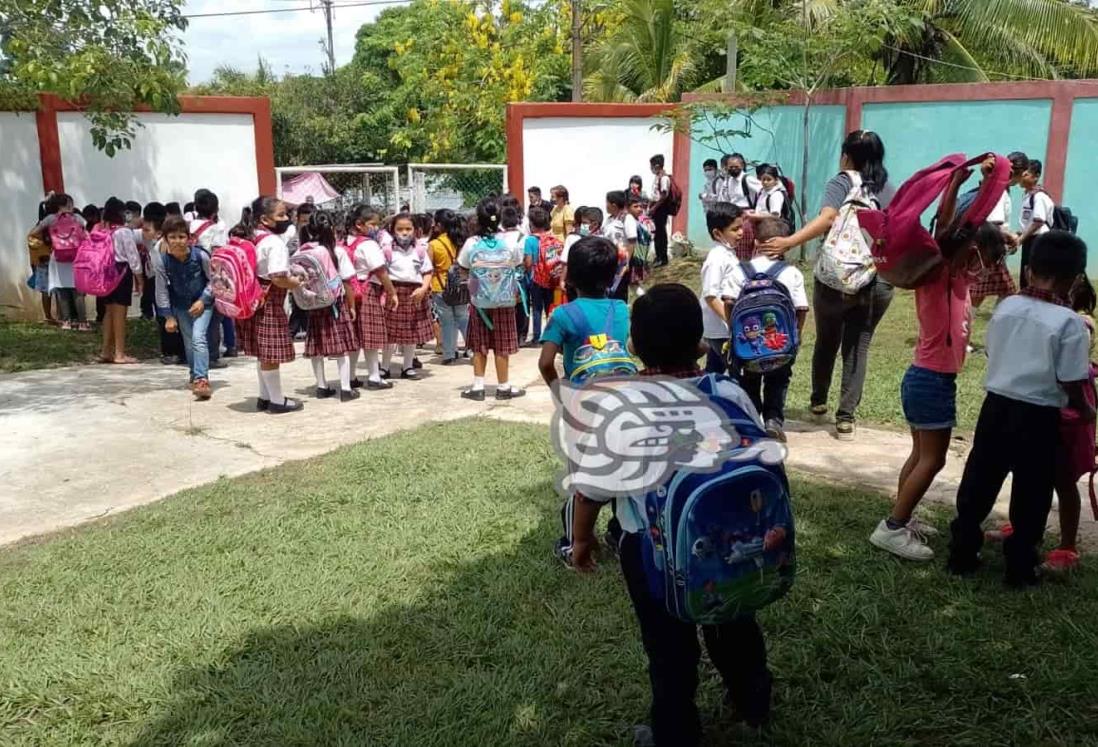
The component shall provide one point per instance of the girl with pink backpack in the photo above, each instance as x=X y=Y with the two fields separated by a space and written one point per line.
x=65 y=231
x=111 y=242
x=266 y=334
x=331 y=330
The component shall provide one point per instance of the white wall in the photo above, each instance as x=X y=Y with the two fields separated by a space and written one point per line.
x=21 y=186
x=170 y=159
x=590 y=155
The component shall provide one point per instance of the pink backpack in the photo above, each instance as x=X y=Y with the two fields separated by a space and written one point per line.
x=94 y=269
x=66 y=236
x=236 y=290
x=904 y=252
x=321 y=284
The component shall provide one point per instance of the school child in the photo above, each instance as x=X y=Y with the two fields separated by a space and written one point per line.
x=725 y=223
x=542 y=258
x=588 y=223
x=379 y=295
x=299 y=318
x=210 y=232
x=514 y=239
x=173 y=208
x=184 y=299
x=646 y=229
x=621 y=228
x=594 y=266
x=443 y=249
x=771 y=200
x=666 y=334
x=767 y=391
x=332 y=330
x=999 y=282
x=493 y=273
x=709 y=194
x=1037 y=210
x=63 y=230
x=39 y=280
x=929 y=388
x=153 y=216
x=1038 y=362
x=266 y=333
x=409 y=322
x=117 y=303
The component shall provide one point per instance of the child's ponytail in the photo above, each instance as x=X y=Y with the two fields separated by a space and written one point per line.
x=488 y=217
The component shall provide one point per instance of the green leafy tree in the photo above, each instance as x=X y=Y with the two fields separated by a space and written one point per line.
x=111 y=55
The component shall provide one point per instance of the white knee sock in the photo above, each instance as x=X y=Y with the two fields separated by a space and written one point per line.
x=409 y=352
x=273 y=380
x=354 y=362
x=388 y=358
x=372 y=364
x=503 y=386
x=478 y=383
x=263 y=393
x=343 y=362
x=318 y=372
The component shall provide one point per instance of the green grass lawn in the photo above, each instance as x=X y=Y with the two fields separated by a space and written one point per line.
x=28 y=345
x=889 y=356
x=402 y=592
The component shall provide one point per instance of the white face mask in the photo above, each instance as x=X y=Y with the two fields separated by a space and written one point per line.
x=710 y=175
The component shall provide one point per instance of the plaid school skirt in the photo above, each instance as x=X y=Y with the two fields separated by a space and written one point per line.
x=999 y=283
x=745 y=250
x=371 y=318
x=502 y=339
x=266 y=334
x=329 y=335
x=410 y=323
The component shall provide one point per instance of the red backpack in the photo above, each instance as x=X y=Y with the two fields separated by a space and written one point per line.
x=548 y=269
x=674 y=196
x=905 y=253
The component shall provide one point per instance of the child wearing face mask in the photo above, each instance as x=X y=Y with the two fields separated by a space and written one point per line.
x=378 y=295
x=410 y=270
x=709 y=194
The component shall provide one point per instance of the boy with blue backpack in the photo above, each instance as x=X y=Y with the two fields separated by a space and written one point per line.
x=767 y=309
x=735 y=527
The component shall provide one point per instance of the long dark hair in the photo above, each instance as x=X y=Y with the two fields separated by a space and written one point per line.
x=321 y=230
x=452 y=225
x=488 y=217
x=264 y=205
x=361 y=212
x=866 y=153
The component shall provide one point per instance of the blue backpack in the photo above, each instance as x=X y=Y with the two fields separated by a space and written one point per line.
x=763 y=322
x=493 y=277
x=721 y=544
x=600 y=354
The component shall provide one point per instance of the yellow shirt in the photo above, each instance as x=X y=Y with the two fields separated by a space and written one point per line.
x=562 y=220
x=443 y=255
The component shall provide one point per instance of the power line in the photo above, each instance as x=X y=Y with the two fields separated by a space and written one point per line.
x=959 y=66
x=361 y=4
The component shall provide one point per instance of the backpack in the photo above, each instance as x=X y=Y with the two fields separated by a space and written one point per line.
x=1063 y=219
x=674 y=196
x=456 y=292
x=845 y=261
x=66 y=236
x=321 y=284
x=548 y=269
x=95 y=270
x=721 y=544
x=906 y=253
x=201 y=229
x=493 y=280
x=235 y=287
x=600 y=354
x=763 y=322
x=786 y=212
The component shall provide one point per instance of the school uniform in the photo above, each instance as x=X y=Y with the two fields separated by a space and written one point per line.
x=999 y=282
x=1033 y=342
x=128 y=258
x=768 y=391
x=772 y=200
x=741 y=191
x=331 y=332
x=622 y=230
x=715 y=274
x=266 y=335
x=1036 y=206
x=208 y=233
x=59 y=279
x=410 y=322
x=515 y=240
x=368 y=258
x=502 y=338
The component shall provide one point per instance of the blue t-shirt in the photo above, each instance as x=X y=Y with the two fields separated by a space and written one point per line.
x=532 y=248
x=560 y=330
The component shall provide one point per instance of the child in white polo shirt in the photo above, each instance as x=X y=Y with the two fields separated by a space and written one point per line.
x=1038 y=362
x=1037 y=212
x=725 y=223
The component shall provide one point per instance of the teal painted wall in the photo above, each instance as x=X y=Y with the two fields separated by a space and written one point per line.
x=776 y=138
x=916 y=135
x=1081 y=176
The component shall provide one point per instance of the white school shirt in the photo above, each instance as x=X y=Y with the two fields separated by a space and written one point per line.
x=715 y=274
x=216 y=235
x=467 y=248
x=621 y=229
x=569 y=242
x=513 y=238
x=344 y=266
x=125 y=249
x=271 y=256
x=790 y=277
x=1032 y=345
x=771 y=200
x=409 y=265
x=1000 y=214
x=732 y=190
x=367 y=259
x=661 y=186
x=1037 y=205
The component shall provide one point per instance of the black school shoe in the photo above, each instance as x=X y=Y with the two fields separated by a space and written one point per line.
x=417 y=363
x=476 y=395
x=410 y=373
x=349 y=395
x=374 y=386
x=357 y=383
x=261 y=404
x=511 y=393
x=325 y=392
x=218 y=364
x=449 y=361
x=384 y=373
x=288 y=405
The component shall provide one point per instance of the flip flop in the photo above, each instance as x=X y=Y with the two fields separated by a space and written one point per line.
x=125 y=361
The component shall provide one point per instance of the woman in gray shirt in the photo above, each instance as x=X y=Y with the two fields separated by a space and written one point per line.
x=844 y=321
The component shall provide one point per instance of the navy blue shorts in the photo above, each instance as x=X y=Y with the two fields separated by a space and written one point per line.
x=929 y=399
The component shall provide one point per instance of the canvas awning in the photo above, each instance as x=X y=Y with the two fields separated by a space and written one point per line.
x=298 y=189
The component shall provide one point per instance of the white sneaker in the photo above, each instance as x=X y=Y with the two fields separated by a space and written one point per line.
x=904 y=542
x=919 y=526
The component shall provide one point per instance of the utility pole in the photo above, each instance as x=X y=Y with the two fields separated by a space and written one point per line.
x=327 y=5
x=730 y=70
x=577 y=52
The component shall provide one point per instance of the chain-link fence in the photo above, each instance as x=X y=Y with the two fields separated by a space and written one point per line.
x=458 y=187
x=378 y=186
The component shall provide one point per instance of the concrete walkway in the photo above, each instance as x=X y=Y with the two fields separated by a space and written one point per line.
x=83 y=442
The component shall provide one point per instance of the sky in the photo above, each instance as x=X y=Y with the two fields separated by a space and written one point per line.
x=290 y=42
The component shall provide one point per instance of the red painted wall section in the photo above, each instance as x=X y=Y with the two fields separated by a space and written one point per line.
x=49 y=145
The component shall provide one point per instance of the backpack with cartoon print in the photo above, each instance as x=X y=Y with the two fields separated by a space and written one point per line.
x=763 y=322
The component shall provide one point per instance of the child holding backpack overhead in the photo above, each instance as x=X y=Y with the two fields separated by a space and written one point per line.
x=379 y=295
x=780 y=321
x=666 y=334
x=1038 y=363
x=543 y=254
x=331 y=330
x=493 y=287
x=184 y=299
x=266 y=334
x=65 y=231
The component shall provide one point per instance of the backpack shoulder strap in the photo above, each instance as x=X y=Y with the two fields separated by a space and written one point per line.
x=748 y=270
x=577 y=318
x=776 y=269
